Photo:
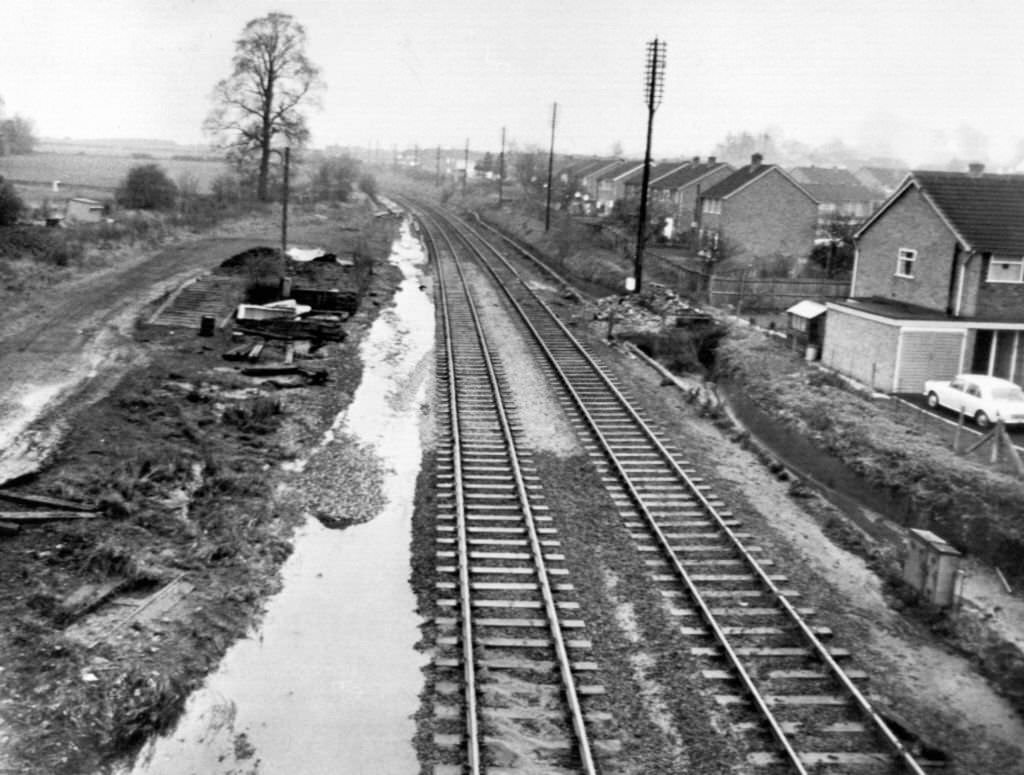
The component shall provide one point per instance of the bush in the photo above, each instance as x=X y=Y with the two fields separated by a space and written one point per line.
x=368 y=185
x=147 y=187
x=10 y=204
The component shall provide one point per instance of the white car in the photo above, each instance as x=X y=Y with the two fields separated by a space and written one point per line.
x=984 y=399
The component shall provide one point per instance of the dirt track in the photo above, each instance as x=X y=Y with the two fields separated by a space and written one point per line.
x=53 y=340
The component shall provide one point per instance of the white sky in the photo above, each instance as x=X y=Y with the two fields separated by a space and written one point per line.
x=911 y=77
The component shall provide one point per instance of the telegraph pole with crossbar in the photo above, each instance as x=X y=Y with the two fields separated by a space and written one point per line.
x=654 y=85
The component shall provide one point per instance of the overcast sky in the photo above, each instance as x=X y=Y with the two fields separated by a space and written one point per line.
x=915 y=78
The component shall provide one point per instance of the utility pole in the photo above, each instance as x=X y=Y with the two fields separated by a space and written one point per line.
x=465 y=170
x=501 y=168
x=284 y=202
x=654 y=86
x=286 y=154
x=551 y=166
x=437 y=173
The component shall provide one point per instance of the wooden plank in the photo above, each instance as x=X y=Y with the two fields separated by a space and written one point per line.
x=88 y=596
x=33 y=499
x=30 y=517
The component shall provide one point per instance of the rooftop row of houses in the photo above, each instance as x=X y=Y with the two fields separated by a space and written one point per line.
x=837 y=190
x=938 y=278
x=759 y=209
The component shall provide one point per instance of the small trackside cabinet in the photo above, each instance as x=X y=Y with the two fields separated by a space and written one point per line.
x=931 y=567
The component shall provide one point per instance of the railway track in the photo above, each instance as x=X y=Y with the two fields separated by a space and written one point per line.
x=508 y=630
x=793 y=696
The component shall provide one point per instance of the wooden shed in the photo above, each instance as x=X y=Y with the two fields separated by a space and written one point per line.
x=805 y=328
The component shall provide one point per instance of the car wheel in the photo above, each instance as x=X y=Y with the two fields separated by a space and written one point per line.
x=981 y=420
x=933 y=400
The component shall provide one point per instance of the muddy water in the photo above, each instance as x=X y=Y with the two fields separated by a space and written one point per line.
x=873 y=510
x=329 y=681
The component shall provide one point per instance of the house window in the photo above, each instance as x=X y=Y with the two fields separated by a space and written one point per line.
x=905 y=262
x=713 y=206
x=1005 y=270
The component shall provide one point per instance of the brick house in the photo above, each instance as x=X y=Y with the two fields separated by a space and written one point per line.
x=839 y=193
x=633 y=182
x=611 y=184
x=760 y=211
x=938 y=284
x=581 y=172
x=682 y=189
x=590 y=175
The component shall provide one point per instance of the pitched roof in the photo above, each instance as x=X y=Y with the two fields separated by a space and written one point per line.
x=588 y=166
x=622 y=168
x=687 y=175
x=743 y=177
x=984 y=212
x=657 y=171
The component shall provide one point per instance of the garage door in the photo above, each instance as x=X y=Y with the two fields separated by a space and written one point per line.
x=927 y=355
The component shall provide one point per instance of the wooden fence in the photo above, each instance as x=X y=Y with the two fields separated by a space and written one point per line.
x=742 y=291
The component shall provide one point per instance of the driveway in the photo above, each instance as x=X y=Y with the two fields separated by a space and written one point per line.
x=948 y=417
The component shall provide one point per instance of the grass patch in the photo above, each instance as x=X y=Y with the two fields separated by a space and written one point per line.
x=965 y=500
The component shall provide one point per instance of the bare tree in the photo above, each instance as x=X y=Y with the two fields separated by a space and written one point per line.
x=271 y=77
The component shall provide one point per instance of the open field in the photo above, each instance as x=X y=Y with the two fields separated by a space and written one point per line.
x=159 y=149
x=94 y=173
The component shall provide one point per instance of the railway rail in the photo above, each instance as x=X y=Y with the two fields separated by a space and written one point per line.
x=510 y=629
x=793 y=695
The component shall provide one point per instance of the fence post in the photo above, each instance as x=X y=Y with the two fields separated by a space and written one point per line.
x=739 y=293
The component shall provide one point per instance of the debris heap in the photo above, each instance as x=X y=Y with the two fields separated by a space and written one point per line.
x=656 y=307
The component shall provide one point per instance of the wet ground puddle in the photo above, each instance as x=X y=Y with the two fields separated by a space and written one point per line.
x=330 y=680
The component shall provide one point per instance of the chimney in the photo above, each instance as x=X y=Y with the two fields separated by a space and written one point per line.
x=695 y=159
x=712 y=160
x=974 y=169
x=755 y=160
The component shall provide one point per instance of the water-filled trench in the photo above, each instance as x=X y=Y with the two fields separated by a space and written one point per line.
x=329 y=680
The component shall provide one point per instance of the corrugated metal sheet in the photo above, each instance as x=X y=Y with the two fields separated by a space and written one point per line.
x=807 y=309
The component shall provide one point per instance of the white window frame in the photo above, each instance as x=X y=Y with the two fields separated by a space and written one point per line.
x=1020 y=271
x=904 y=255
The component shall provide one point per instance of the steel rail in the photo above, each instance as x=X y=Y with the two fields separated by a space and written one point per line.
x=465 y=604
x=819 y=649
x=659 y=534
x=540 y=566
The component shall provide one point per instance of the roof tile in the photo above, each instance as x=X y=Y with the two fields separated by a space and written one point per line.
x=986 y=210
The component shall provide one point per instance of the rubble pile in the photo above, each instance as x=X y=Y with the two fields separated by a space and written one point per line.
x=656 y=307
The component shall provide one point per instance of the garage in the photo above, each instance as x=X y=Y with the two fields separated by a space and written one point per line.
x=927 y=354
